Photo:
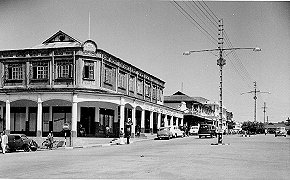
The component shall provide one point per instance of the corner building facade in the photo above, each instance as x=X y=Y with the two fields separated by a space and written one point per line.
x=66 y=81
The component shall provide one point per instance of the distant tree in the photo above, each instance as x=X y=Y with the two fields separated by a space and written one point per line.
x=231 y=124
x=253 y=127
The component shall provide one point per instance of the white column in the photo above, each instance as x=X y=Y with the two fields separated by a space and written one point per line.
x=7 y=121
x=143 y=121
x=122 y=117
x=97 y=114
x=74 y=116
x=165 y=120
x=181 y=119
x=159 y=121
x=39 y=118
x=26 y=118
x=151 y=122
x=133 y=121
x=171 y=121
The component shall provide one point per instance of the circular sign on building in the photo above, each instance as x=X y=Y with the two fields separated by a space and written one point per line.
x=90 y=46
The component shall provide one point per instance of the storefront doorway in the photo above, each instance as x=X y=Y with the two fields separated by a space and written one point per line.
x=87 y=121
x=106 y=124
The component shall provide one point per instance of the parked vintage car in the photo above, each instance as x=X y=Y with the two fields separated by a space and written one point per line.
x=21 y=142
x=193 y=130
x=164 y=133
x=178 y=132
x=206 y=130
x=280 y=131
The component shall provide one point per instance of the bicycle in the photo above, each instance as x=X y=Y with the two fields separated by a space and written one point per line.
x=55 y=144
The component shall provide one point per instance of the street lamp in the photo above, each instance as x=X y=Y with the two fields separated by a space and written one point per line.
x=221 y=62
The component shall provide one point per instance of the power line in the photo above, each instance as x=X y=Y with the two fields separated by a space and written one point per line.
x=205 y=14
x=190 y=18
x=203 y=11
x=242 y=71
x=210 y=11
x=242 y=68
x=195 y=6
x=211 y=28
x=255 y=98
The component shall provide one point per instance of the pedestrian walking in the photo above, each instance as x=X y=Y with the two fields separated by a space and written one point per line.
x=50 y=140
x=186 y=131
x=122 y=136
x=4 y=142
x=107 y=131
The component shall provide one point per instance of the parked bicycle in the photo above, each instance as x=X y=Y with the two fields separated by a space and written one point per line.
x=52 y=145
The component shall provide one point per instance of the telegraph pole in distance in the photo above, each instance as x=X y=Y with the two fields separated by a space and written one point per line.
x=255 y=98
x=264 y=107
x=221 y=62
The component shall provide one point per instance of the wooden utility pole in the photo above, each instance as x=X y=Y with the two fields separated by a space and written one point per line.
x=264 y=107
x=255 y=98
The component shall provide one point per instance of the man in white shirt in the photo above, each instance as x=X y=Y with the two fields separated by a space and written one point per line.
x=4 y=142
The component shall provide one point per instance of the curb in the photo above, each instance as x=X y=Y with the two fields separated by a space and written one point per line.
x=102 y=145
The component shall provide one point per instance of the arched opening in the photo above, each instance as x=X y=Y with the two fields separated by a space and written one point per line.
x=55 y=113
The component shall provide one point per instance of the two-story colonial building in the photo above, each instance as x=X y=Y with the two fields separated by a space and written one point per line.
x=196 y=109
x=64 y=80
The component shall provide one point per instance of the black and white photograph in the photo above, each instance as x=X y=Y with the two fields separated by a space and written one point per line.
x=144 y=89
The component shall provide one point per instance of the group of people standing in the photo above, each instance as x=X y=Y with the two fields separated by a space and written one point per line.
x=4 y=141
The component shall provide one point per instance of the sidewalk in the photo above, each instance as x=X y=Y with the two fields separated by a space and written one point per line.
x=101 y=142
x=86 y=142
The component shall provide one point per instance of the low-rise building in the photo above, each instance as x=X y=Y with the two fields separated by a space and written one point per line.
x=199 y=110
x=196 y=109
x=66 y=81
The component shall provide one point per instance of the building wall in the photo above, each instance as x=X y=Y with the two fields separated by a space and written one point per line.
x=107 y=75
x=53 y=86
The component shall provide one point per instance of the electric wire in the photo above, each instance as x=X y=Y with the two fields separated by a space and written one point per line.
x=191 y=19
x=210 y=27
x=197 y=9
x=208 y=13
x=204 y=13
x=211 y=11
x=242 y=68
x=244 y=74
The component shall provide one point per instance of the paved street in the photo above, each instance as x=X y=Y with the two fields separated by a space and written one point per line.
x=255 y=157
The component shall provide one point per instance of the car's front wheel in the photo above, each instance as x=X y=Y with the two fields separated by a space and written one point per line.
x=27 y=148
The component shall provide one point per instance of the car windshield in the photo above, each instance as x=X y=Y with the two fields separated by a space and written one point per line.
x=204 y=127
x=163 y=128
x=24 y=136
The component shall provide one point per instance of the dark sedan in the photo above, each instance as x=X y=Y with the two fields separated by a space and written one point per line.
x=21 y=142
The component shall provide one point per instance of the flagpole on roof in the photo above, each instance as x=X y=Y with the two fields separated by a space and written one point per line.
x=89 y=25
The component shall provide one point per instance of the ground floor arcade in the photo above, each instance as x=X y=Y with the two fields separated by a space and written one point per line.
x=87 y=114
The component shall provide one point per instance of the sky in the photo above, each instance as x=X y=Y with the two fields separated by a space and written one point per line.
x=152 y=35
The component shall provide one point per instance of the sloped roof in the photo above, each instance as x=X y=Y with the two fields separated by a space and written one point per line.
x=59 y=40
x=179 y=97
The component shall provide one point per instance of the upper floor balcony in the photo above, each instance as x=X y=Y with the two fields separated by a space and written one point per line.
x=62 y=62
